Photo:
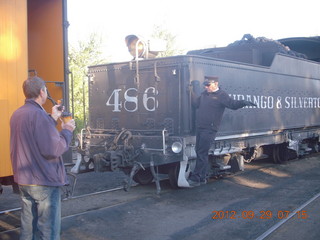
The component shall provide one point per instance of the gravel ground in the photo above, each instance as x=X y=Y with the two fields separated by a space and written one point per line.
x=188 y=213
x=86 y=183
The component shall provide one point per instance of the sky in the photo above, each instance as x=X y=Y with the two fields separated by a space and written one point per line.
x=196 y=24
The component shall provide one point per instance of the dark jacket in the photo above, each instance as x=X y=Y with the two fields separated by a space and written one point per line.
x=211 y=106
x=36 y=147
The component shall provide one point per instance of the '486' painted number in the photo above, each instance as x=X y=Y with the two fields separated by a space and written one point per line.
x=129 y=100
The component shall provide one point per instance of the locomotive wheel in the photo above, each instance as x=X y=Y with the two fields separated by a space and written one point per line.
x=283 y=153
x=280 y=153
x=275 y=154
x=143 y=177
x=174 y=174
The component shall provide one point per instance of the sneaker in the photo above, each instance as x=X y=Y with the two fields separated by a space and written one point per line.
x=193 y=183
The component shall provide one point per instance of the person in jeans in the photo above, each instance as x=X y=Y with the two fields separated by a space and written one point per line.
x=36 y=149
x=210 y=106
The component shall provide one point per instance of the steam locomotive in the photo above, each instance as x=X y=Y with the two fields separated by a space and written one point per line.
x=141 y=120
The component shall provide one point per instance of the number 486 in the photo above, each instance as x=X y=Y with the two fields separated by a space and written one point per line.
x=129 y=100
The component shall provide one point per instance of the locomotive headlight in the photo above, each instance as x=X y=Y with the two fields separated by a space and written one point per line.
x=136 y=46
x=176 y=147
x=140 y=48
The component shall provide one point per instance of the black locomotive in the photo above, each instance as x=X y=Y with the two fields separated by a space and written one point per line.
x=141 y=120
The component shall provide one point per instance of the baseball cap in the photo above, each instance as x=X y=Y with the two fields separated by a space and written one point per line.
x=208 y=80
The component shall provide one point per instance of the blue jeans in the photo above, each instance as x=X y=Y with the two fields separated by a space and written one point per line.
x=41 y=212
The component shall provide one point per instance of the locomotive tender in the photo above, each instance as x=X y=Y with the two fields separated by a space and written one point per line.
x=141 y=120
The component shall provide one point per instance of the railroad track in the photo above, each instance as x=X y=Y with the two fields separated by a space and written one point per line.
x=10 y=218
x=299 y=210
x=123 y=198
x=15 y=228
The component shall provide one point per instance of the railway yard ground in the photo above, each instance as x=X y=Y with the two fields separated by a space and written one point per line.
x=265 y=201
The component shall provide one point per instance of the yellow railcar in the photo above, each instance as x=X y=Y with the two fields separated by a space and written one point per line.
x=33 y=37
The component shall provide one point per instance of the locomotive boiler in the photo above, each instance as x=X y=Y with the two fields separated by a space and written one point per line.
x=141 y=120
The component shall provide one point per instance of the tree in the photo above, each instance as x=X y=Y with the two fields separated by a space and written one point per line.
x=86 y=53
x=171 y=50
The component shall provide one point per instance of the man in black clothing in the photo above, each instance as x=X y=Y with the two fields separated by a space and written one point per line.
x=210 y=106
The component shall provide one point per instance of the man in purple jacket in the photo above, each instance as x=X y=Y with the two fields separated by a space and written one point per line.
x=36 y=154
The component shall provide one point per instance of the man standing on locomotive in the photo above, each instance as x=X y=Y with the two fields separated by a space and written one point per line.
x=210 y=106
